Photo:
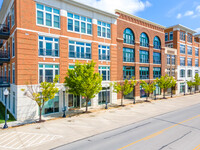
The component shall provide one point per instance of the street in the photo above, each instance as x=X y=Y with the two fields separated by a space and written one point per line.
x=178 y=130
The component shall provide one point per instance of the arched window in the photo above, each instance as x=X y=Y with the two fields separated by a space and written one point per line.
x=182 y=73
x=128 y=36
x=144 y=40
x=156 y=43
x=189 y=73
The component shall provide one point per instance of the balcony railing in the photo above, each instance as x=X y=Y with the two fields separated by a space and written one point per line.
x=4 y=56
x=156 y=76
x=144 y=44
x=45 y=52
x=104 y=57
x=157 y=61
x=4 y=81
x=79 y=55
x=128 y=59
x=157 y=47
x=127 y=41
x=144 y=60
x=144 y=76
x=4 y=31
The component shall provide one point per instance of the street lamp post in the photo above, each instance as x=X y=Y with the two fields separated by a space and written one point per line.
x=64 y=107
x=6 y=93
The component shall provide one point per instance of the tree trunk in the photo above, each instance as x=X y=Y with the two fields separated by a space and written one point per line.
x=122 y=100
x=163 y=93
x=86 y=109
x=40 y=119
x=171 y=92
x=190 y=91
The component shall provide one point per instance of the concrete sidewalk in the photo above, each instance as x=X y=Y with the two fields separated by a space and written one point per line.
x=51 y=134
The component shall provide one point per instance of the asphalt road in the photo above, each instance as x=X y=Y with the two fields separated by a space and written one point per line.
x=178 y=130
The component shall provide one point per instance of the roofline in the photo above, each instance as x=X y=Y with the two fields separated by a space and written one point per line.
x=85 y=6
x=144 y=20
x=182 y=26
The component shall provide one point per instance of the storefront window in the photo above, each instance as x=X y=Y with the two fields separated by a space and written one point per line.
x=51 y=106
x=104 y=95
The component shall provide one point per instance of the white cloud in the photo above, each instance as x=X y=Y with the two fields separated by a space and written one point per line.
x=189 y=13
x=179 y=16
x=197 y=30
x=129 y=6
x=198 y=8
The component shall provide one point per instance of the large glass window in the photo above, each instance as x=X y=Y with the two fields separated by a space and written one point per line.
x=103 y=96
x=168 y=59
x=144 y=56
x=189 y=38
x=171 y=36
x=166 y=36
x=79 y=23
x=128 y=36
x=79 y=50
x=182 y=49
x=189 y=73
x=156 y=43
x=196 y=62
x=105 y=72
x=189 y=61
x=48 y=16
x=51 y=106
x=144 y=40
x=182 y=36
x=182 y=87
x=173 y=59
x=189 y=50
x=156 y=58
x=182 y=73
x=103 y=29
x=12 y=16
x=47 y=72
x=104 y=52
x=156 y=72
x=144 y=72
x=128 y=72
x=173 y=72
x=182 y=61
x=128 y=55
x=196 y=51
x=48 y=46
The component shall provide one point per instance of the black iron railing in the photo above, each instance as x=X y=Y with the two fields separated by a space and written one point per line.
x=4 y=80
x=4 y=54
x=4 y=29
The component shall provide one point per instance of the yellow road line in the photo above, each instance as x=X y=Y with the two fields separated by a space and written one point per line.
x=160 y=132
x=197 y=148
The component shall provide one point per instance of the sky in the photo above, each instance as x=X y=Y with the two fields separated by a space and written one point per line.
x=163 y=12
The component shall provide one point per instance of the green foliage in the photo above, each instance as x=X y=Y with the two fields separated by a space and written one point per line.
x=190 y=83
x=148 y=88
x=164 y=82
x=196 y=81
x=82 y=80
x=42 y=93
x=2 y=114
x=124 y=88
x=172 y=82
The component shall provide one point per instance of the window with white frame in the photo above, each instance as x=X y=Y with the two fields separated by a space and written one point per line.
x=182 y=61
x=189 y=38
x=173 y=59
x=168 y=59
x=48 y=16
x=182 y=36
x=12 y=16
x=79 y=23
x=196 y=62
x=189 y=61
x=47 y=72
x=48 y=46
x=13 y=73
x=196 y=51
x=166 y=36
x=182 y=73
x=13 y=47
x=182 y=49
x=189 y=50
x=189 y=73
x=196 y=71
x=173 y=72
x=103 y=29
x=168 y=71
x=105 y=72
x=79 y=50
x=171 y=36
x=170 y=45
x=104 y=52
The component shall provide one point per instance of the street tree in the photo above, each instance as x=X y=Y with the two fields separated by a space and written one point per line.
x=196 y=81
x=148 y=88
x=42 y=93
x=190 y=85
x=84 y=81
x=124 y=87
x=163 y=83
x=172 y=84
